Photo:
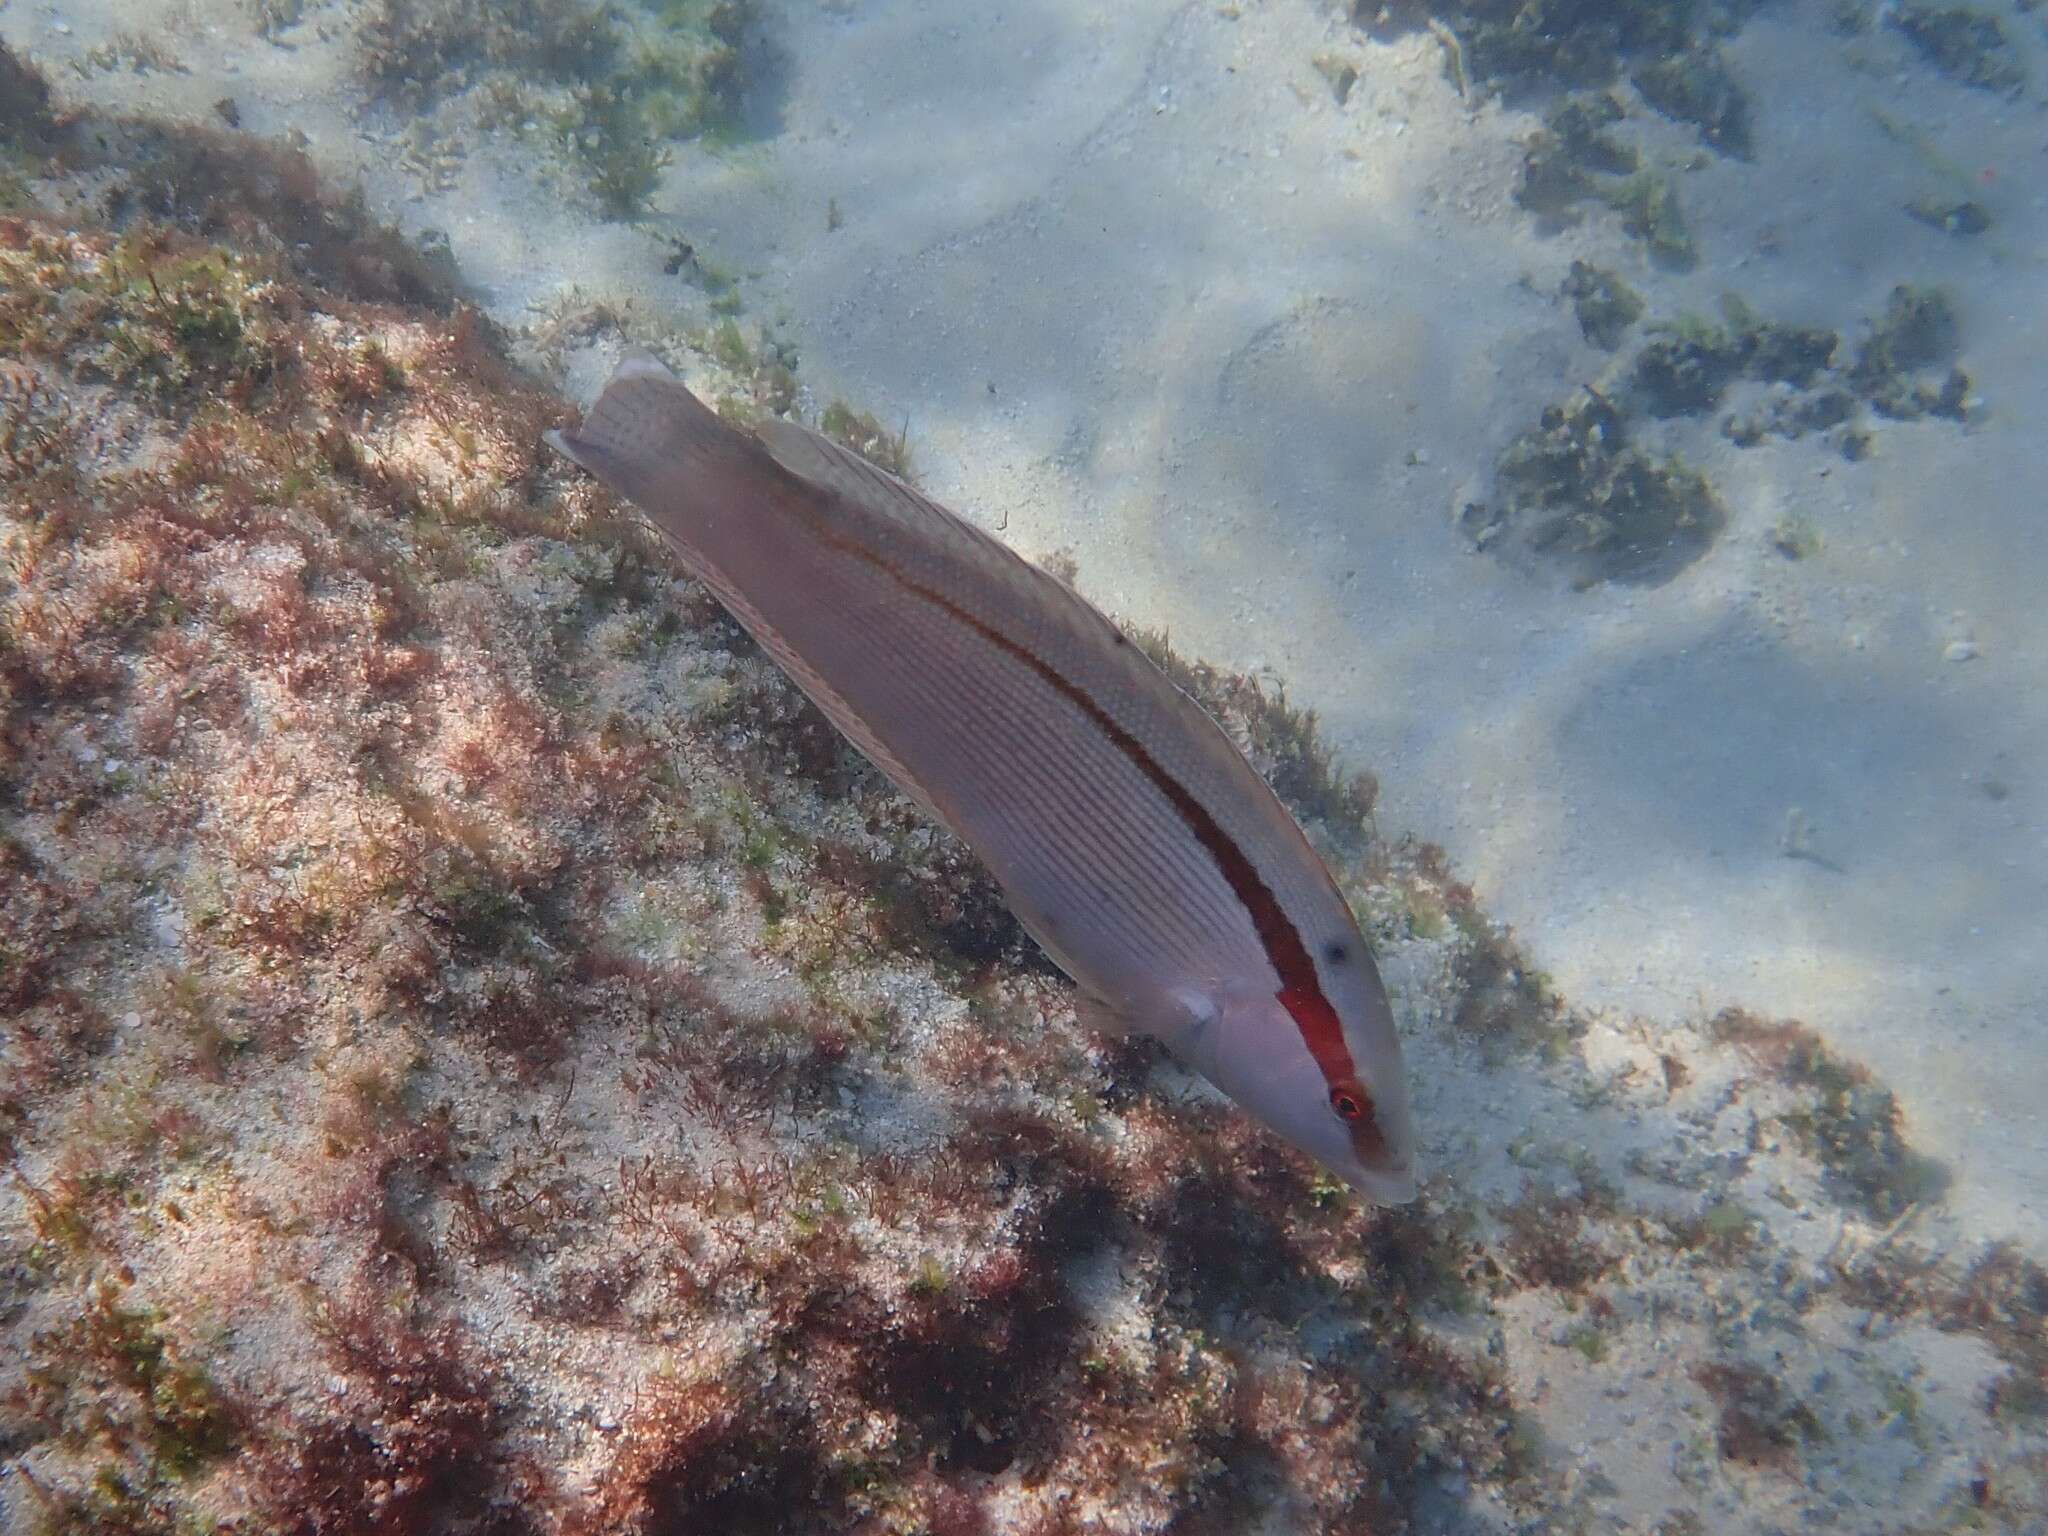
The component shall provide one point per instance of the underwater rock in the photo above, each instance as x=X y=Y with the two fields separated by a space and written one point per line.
x=1564 y=160
x=1691 y=363
x=1951 y=217
x=24 y=102
x=609 y=86
x=1697 y=87
x=1650 y=210
x=1791 y=417
x=1677 y=375
x=1688 y=365
x=1605 y=305
x=1964 y=43
x=1538 y=44
x=1573 y=159
x=1577 y=494
x=1918 y=331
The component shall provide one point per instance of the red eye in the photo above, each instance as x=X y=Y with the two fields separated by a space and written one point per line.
x=1349 y=1100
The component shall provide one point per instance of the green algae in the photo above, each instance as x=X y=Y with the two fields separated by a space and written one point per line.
x=615 y=85
x=1901 y=369
x=1578 y=51
x=142 y=1412
x=1650 y=210
x=607 y=129
x=188 y=1422
x=175 y=320
x=1579 y=494
x=1575 y=159
x=1281 y=740
x=1590 y=1342
x=1604 y=305
x=1964 y=43
x=411 y=51
x=15 y=192
x=1918 y=330
x=1568 y=161
x=1795 y=538
x=1515 y=47
x=1689 y=363
x=1697 y=87
x=1917 y=333
x=866 y=436
x=1849 y=1123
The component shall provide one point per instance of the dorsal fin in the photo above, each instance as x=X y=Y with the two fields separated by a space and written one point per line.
x=644 y=418
x=840 y=472
x=815 y=458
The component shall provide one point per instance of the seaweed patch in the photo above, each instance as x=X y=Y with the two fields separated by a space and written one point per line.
x=1576 y=492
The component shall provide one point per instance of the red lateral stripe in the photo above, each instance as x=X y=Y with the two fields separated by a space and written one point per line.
x=1320 y=1030
x=1301 y=990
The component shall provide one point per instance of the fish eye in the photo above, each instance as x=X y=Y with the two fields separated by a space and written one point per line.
x=1349 y=1101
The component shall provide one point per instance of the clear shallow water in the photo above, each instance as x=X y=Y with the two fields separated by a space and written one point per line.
x=1271 y=354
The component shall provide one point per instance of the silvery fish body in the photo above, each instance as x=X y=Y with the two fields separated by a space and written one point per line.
x=1128 y=833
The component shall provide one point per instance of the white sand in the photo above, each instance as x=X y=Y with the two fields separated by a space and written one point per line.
x=1142 y=288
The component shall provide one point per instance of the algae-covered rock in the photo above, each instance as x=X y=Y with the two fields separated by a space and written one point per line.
x=1685 y=370
x=1689 y=364
x=479 y=1054
x=1697 y=87
x=1817 y=410
x=1918 y=332
x=434 y=934
x=1787 y=354
x=1535 y=44
x=1650 y=210
x=1847 y=1120
x=1965 y=43
x=1604 y=305
x=1565 y=162
x=1952 y=216
x=1574 y=159
x=612 y=84
x=1576 y=493
x=24 y=101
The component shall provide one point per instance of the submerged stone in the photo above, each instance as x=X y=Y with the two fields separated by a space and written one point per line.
x=1576 y=494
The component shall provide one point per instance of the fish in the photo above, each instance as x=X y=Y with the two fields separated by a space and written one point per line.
x=1125 y=829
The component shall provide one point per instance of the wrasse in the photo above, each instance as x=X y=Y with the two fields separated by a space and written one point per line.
x=1128 y=833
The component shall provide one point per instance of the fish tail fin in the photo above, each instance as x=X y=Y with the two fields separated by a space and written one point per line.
x=645 y=427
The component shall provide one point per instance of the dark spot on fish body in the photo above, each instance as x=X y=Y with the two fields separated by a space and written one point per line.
x=1337 y=952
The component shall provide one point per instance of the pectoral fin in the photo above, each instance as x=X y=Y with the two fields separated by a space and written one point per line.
x=1175 y=1021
